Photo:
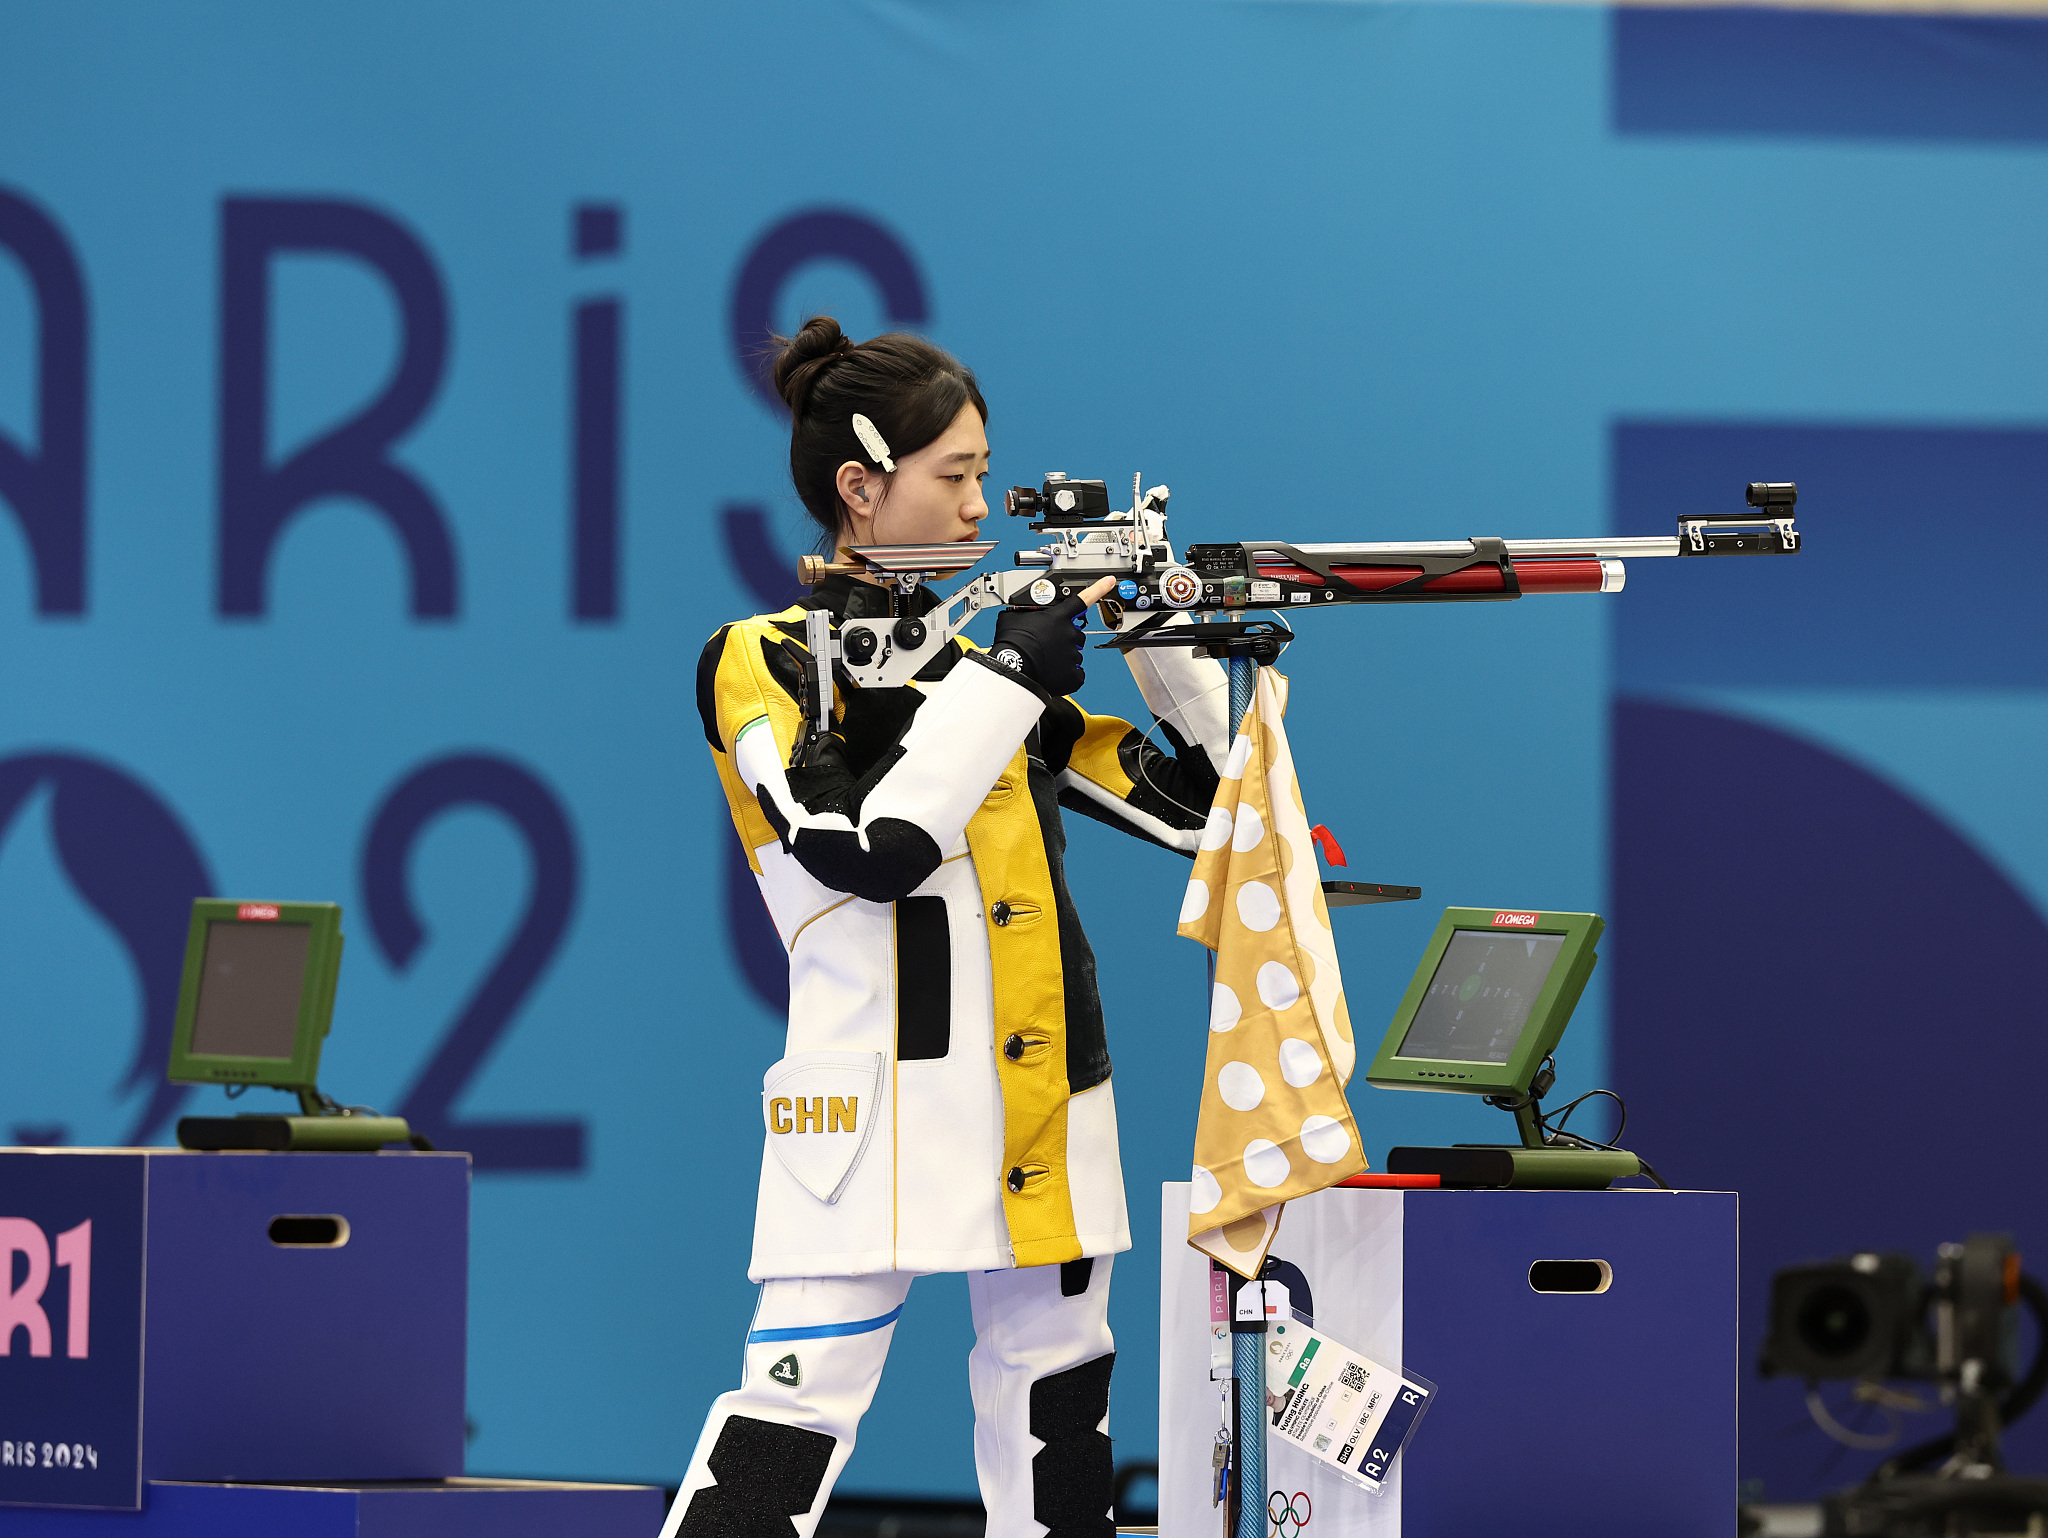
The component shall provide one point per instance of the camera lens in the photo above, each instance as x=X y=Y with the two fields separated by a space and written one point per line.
x=1833 y=1321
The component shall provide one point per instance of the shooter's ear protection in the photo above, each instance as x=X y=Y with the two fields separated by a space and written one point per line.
x=852 y=480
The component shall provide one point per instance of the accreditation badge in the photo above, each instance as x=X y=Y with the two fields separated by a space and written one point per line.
x=1339 y=1406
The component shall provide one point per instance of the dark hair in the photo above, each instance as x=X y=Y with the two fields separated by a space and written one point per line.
x=910 y=389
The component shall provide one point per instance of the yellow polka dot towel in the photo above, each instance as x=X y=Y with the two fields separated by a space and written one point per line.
x=1274 y=1122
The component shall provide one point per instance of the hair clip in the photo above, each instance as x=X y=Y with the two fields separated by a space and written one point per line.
x=873 y=442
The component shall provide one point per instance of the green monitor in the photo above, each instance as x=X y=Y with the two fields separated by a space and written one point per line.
x=1488 y=1002
x=254 y=1005
x=257 y=993
x=1482 y=1015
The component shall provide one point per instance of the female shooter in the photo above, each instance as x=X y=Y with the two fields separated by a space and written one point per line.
x=944 y=1102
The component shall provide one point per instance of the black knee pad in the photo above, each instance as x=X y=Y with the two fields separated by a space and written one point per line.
x=1072 y=1477
x=766 y=1473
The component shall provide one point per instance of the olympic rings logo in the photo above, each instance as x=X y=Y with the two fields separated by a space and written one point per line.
x=1296 y=1511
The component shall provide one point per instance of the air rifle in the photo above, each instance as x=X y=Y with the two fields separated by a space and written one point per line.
x=1219 y=587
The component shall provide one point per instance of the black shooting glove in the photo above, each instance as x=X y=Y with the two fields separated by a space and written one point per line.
x=1044 y=644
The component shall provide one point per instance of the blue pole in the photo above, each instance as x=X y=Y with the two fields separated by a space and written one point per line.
x=1248 y=1361
x=1248 y=1351
x=1244 y=682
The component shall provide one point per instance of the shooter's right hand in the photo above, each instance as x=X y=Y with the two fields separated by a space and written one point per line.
x=1045 y=644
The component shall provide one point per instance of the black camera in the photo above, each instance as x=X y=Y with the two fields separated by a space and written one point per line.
x=1059 y=502
x=1872 y=1316
x=1854 y=1318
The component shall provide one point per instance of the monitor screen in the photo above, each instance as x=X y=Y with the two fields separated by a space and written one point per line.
x=1480 y=996
x=250 y=987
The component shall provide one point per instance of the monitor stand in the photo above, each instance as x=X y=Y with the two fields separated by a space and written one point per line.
x=1531 y=1165
x=323 y=1128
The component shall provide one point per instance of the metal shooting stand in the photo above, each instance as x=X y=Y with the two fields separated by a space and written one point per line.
x=1244 y=646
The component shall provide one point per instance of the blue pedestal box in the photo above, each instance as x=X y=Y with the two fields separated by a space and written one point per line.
x=1556 y=1414
x=152 y=1328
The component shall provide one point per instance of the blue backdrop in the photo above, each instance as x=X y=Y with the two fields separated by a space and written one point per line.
x=379 y=428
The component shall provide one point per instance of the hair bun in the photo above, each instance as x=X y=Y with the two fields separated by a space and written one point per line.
x=819 y=344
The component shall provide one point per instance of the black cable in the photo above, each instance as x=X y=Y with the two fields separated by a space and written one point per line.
x=1557 y=1134
x=2016 y=1403
x=1564 y=1112
x=1575 y=1141
x=2028 y=1390
x=1530 y=1096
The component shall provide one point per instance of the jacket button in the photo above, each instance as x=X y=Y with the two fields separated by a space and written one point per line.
x=1014 y=1048
x=1016 y=1179
x=1000 y=913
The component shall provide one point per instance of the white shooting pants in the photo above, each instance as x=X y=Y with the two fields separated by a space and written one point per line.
x=772 y=1448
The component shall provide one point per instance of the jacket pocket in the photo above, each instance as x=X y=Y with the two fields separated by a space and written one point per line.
x=820 y=1109
x=924 y=980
